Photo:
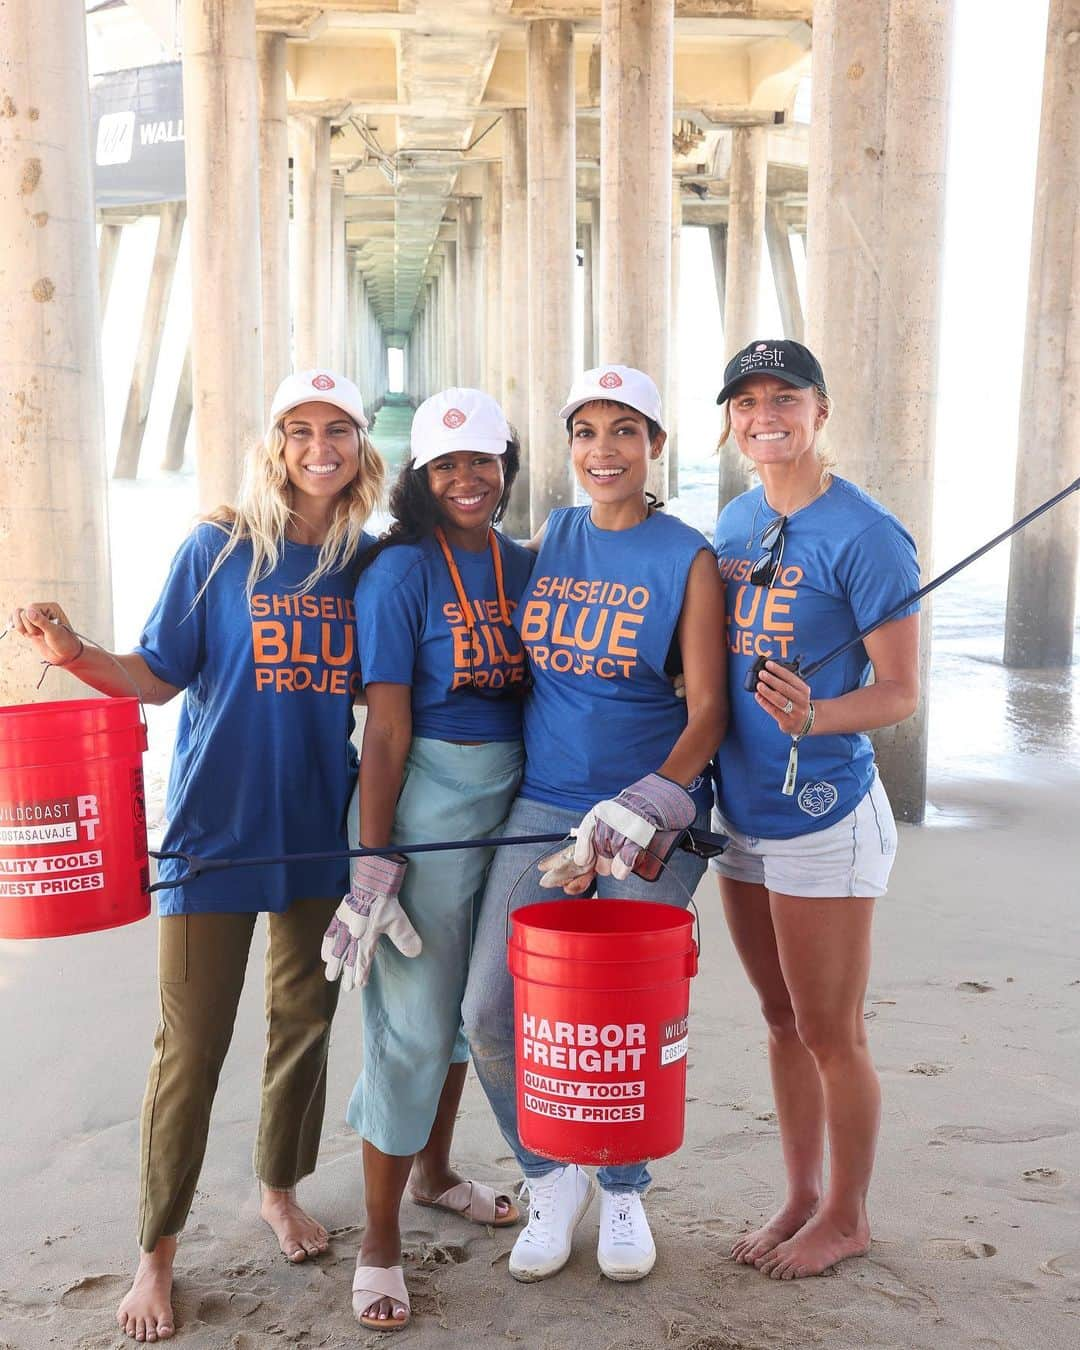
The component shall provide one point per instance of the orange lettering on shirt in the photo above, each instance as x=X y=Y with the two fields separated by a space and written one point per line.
x=345 y=656
x=268 y=642
x=534 y=620
x=777 y=607
x=623 y=639
x=590 y=642
x=296 y=650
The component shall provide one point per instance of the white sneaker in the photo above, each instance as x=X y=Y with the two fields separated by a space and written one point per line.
x=557 y=1204
x=626 y=1250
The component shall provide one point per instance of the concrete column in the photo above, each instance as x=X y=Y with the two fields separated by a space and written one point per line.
x=430 y=325
x=1041 y=610
x=312 y=232
x=337 y=271
x=588 y=286
x=450 y=317
x=351 y=302
x=783 y=269
x=514 y=320
x=671 y=404
x=221 y=124
x=155 y=312
x=358 y=331
x=493 y=354
x=180 y=420
x=718 y=248
x=549 y=60
x=637 y=49
x=54 y=542
x=108 y=251
x=273 y=211
x=470 y=292
x=745 y=234
x=876 y=228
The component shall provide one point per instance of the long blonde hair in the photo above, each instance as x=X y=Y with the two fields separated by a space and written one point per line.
x=262 y=513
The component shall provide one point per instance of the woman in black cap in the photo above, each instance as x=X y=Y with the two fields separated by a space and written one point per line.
x=808 y=560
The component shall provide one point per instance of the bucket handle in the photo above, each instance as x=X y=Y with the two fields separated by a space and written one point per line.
x=664 y=863
x=83 y=637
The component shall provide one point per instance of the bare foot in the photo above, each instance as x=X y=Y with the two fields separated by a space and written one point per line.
x=299 y=1235
x=145 y=1312
x=785 y=1223
x=425 y=1186
x=379 y=1249
x=821 y=1243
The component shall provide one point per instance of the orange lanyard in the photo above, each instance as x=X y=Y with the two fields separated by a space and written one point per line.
x=459 y=588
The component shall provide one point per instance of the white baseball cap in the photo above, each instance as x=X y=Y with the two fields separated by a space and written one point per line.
x=615 y=384
x=318 y=386
x=458 y=419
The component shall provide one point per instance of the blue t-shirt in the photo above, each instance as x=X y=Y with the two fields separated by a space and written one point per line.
x=411 y=631
x=262 y=763
x=846 y=563
x=597 y=622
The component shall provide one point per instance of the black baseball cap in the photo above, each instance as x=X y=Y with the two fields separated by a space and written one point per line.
x=780 y=357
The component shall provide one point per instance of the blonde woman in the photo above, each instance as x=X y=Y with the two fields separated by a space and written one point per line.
x=256 y=626
x=808 y=560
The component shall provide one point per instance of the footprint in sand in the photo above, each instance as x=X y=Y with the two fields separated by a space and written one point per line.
x=975 y=987
x=222 y=1307
x=928 y=1069
x=983 y=1134
x=954 y=1249
x=95 y=1291
x=1045 y=1176
x=442 y=1254
x=1067 y=1264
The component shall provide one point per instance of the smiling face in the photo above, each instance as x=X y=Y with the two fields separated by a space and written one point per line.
x=322 y=449
x=467 y=486
x=773 y=422
x=611 y=451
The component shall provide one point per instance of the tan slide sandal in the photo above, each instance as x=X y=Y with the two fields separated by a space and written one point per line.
x=474 y=1201
x=371 y=1283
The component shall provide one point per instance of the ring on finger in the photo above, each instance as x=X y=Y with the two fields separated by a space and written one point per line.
x=789 y=706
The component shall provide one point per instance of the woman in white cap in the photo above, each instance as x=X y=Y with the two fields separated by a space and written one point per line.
x=444 y=673
x=808 y=560
x=256 y=625
x=620 y=597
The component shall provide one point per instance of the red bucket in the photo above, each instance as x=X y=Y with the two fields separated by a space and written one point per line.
x=601 y=1001
x=73 y=853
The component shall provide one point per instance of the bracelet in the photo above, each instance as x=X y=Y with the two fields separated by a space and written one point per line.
x=59 y=665
x=808 y=725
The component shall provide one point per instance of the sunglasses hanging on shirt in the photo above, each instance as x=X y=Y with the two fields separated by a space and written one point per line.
x=514 y=678
x=764 y=571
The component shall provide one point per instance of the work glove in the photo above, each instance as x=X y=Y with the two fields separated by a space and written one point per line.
x=562 y=872
x=615 y=833
x=370 y=909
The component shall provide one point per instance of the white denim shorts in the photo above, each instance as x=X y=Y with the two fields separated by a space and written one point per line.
x=851 y=858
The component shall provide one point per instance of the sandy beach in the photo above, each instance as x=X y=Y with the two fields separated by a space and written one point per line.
x=975 y=1011
x=974 y=1006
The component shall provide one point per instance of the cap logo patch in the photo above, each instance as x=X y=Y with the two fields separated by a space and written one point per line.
x=453 y=418
x=761 y=358
x=610 y=380
x=322 y=382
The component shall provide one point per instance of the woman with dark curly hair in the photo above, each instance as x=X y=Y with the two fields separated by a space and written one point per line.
x=444 y=670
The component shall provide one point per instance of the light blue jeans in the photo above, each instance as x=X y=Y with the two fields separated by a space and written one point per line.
x=488 y=1008
x=412 y=1005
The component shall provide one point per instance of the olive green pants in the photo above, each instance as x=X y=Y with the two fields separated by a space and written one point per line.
x=201 y=963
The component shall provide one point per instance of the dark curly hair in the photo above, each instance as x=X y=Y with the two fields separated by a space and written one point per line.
x=416 y=512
